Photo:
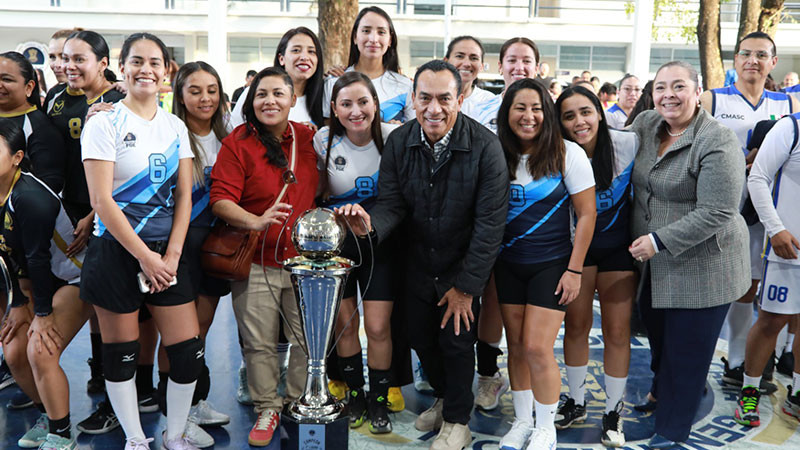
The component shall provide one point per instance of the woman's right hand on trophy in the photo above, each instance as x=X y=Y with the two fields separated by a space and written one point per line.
x=357 y=217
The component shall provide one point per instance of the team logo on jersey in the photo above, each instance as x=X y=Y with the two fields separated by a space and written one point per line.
x=58 y=106
x=3 y=247
x=129 y=140
x=8 y=222
x=340 y=163
x=732 y=116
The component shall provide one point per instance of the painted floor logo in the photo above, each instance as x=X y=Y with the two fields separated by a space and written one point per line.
x=714 y=426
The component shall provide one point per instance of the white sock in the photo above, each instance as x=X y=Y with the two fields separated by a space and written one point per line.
x=576 y=379
x=795 y=382
x=179 y=400
x=126 y=406
x=615 y=390
x=523 y=405
x=546 y=415
x=789 y=341
x=740 y=319
x=780 y=342
x=752 y=381
x=495 y=344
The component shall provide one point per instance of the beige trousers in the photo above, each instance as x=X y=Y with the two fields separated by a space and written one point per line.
x=258 y=320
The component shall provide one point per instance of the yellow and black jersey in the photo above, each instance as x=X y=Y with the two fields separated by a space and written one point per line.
x=45 y=146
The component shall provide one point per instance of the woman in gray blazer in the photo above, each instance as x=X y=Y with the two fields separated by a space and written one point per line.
x=690 y=241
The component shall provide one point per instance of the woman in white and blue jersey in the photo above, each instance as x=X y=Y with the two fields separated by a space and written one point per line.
x=466 y=54
x=538 y=272
x=519 y=58
x=139 y=172
x=608 y=268
x=349 y=154
x=373 y=52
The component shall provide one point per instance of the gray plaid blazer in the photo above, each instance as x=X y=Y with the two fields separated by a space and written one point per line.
x=690 y=198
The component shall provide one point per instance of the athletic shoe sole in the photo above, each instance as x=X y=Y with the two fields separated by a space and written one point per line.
x=747 y=423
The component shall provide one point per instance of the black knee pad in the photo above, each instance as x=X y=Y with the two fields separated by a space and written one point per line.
x=120 y=360
x=186 y=360
x=203 y=385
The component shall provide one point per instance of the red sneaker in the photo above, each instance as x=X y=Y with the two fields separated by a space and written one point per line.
x=264 y=428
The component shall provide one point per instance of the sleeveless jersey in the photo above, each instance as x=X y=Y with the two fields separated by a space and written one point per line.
x=45 y=150
x=67 y=110
x=486 y=112
x=471 y=103
x=146 y=156
x=352 y=170
x=616 y=117
x=35 y=234
x=394 y=93
x=794 y=91
x=774 y=182
x=611 y=229
x=538 y=222
x=734 y=111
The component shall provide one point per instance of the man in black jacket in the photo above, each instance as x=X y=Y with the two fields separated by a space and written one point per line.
x=445 y=175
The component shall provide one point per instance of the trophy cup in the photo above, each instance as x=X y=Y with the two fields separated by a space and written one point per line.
x=317 y=421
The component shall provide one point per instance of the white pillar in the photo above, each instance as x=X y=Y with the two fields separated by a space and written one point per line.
x=639 y=63
x=448 y=7
x=218 y=35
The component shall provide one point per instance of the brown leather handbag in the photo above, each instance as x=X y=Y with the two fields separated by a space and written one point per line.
x=228 y=252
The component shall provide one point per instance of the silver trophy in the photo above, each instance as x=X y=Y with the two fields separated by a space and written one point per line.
x=317 y=419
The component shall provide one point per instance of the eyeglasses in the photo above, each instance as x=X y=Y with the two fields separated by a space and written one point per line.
x=760 y=55
x=288 y=177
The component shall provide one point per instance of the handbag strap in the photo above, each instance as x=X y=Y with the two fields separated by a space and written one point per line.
x=293 y=158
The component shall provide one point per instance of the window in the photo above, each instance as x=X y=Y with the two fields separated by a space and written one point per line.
x=202 y=44
x=608 y=58
x=243 y=49
x=269 y=47
x=659 y=57
x=429 y=7
x=575 y=57
x=424 y=51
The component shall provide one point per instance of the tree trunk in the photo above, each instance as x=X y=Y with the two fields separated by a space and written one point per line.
x=770 y=17
x=708 y=40
x=335 y=22
x=748 y=18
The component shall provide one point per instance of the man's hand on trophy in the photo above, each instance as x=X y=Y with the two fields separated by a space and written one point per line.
x=275 y=215
x=357 y=217
x=459 y=306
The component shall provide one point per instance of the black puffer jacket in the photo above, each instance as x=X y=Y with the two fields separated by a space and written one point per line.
x=455 y=209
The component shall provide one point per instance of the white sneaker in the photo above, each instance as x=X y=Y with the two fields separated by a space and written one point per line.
x=613 y=436
x=178 y=443
x=421 y=383
x=490 y=389
x=137 y=444
x=542 y=439
x=203 y=414
x=517 y=436
x=452 y=436
x=430 y=419
x=243 y=392
x=196 y=435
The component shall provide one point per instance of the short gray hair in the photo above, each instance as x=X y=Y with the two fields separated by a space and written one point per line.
x=684 y=65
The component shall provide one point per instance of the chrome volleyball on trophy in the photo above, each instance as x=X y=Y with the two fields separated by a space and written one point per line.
x=317 y=420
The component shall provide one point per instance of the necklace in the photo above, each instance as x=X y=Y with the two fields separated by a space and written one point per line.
x=677 y=134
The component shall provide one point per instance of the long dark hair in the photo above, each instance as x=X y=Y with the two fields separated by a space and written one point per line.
x=603 y=156
x=15 y=139
x=28 y=74
x=548 y=150
x=519 y=40
x=132 y=39
x=390 y=60
x=179 y=109
x=315 y=84
x=99 y=47
x=336 y=127
x=465 y=38
x=644 y=103
x=272 y=143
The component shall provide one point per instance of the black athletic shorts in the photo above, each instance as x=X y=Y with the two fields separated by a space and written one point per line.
x=109 y=278
x=201 y=283
x=384 y=275
x=609 y=259
x=530 y=284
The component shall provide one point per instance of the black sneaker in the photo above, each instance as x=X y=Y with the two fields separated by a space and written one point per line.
x=6 y=379
x=102 y=420
x=613 y=436
x=791 y=405
x=735 y=377
x=785 y=364
x=148 y=403
x=379 y=422
x=769 y=369
x=19 y=401
x=569 y=412
x=357 y=404
x=96 y=383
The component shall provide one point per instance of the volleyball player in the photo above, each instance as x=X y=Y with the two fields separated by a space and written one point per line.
x=773 y=185
x=138 y=170
x=608 y=268
x=739 y=107
x=538 y=272
x=466 y=54
x=629 y=91
x=373 y=52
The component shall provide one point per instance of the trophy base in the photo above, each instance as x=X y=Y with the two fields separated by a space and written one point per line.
x=309 y=434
